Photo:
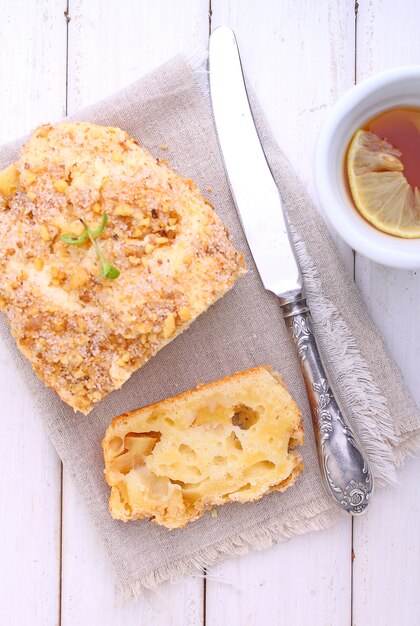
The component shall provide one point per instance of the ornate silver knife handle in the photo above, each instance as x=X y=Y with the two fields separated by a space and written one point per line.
x=344 y=466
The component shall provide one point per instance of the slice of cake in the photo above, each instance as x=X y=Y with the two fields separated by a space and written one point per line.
x=230 y=441
x=106 y=256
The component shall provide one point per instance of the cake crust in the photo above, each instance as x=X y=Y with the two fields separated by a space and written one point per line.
x=85 y=334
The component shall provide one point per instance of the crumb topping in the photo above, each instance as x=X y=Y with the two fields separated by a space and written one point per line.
x=84 y=334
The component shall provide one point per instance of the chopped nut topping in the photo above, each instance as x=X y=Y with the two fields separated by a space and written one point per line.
x=81 y=324
x=75 y=357
x=78 y=279
x=38 y=263
x=30 y=178
x=85 y=335
x=60 y=185
x=59 y=325
x=45 y=233
x=145 y=327
x=169 y=326
x=184 y=314
x=134 y=260
x=35 y=322
x=124 y=210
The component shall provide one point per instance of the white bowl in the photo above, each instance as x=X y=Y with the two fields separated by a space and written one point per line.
x=397 y=87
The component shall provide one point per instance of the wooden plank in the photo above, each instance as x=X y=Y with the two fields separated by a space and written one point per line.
x=110 y=45
x=295 y=87
x=304 y=581
x=90 y=594
x=33 y=68
x=30 y=515
x=32 y=75
x=386 y=568
x=387 y=541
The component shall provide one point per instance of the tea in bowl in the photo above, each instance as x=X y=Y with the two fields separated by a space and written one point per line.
x=367 y=167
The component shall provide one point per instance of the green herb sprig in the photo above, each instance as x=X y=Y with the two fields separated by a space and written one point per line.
x=108 y=270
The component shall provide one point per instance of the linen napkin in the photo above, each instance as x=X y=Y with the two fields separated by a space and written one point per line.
x=244 y=329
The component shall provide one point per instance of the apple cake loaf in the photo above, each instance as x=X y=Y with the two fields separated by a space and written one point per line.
x=107 y=255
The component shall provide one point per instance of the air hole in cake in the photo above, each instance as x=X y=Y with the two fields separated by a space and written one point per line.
x=158 y=487
x=169 y=421
x=187 y=451
x=258 y=470
x=123 y=451
x=194 y=470
x=150 y=433
x=226 y=496
x=237 y=442
x=191 y=493
x=142 y=443
x=178 y=482
x=220 y=460
x=244 y=488
x=294 y=441
x=212 y=416
x=190 y=490
x=115 y=444
x=120 y=495
x=136 y=447
x=244 y=416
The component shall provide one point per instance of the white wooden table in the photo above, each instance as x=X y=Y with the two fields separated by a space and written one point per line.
x=300 y=55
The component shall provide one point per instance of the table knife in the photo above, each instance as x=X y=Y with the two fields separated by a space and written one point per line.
x=344 y=466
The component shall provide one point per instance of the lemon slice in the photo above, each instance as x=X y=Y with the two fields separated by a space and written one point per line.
x=379 y=188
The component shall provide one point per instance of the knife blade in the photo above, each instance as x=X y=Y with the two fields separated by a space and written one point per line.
x=253 y=188
x=344 y=466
